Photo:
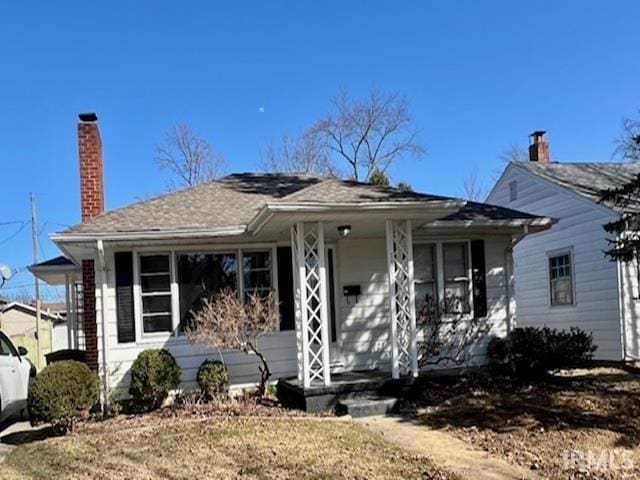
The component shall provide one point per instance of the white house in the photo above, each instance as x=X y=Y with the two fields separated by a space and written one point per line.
x=348 y=262
x=563 y=278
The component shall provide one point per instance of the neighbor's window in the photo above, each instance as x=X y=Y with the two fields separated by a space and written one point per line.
x=513 y=191
x=155 y=288
x=202 y=275
x=561 y=279
x=456 y=277
x=424 y=261
x=256 y=270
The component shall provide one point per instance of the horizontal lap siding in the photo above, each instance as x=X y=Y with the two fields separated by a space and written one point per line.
x=631 y=310
x=279 y=348
x=364 y=325
x=580 y=228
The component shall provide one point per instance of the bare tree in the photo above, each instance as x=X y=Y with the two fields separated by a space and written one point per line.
x=188 y=156
x=473 y=188
x=449 y=331
x=303 y=153
x=628 y=145
x=514 y=153
x=368 y=134
x=225 y=322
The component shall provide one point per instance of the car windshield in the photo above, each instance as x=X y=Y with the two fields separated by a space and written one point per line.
x=6 y=347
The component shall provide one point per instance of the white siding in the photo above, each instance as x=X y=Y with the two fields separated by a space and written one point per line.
x=363 y=326
x=630 y=304
x=595 y=277
x=279 y=348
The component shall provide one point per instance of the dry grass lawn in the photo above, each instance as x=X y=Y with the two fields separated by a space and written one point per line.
x=219 y=448
x=536 y=425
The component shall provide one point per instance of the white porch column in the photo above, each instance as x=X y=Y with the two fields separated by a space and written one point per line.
x=402 y=310
x=310 y=285
x=67 y=305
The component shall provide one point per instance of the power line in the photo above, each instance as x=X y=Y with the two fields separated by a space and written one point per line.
x=15 y=234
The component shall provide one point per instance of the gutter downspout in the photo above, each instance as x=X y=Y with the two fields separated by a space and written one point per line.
x=508 y=254
x=103 y=318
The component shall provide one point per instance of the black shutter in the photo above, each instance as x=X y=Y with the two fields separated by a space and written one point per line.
x=479 y=279
x=124 y=297
x=285 y=288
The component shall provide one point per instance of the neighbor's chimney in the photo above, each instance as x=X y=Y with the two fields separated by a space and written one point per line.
x=90 y=153
x=538 y=148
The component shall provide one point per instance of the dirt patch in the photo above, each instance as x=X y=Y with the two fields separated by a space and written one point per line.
x=577 y=424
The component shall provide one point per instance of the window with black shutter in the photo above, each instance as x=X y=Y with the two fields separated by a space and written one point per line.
x=478 y=270
x=124 y=297
x=285 y=288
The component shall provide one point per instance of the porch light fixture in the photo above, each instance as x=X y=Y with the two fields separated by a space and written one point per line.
x=344 y=230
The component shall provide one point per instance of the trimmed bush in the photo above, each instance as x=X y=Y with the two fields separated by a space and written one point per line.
x=531 y=352
x=153 y=375
x=63 y=392
x=213 y=379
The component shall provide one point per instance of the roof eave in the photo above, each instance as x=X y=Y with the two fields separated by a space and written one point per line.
x=61 y=238
x=268 y=211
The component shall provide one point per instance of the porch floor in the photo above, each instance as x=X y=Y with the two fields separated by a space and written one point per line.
x=320 y=397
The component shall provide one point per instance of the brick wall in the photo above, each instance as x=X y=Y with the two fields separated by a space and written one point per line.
x=89 y=315
x=91 y=204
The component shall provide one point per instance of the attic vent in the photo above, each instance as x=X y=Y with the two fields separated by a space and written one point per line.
x=513 y=191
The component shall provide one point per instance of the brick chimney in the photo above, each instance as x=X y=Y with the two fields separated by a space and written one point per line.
x=90 y=153
x=538 y=148
x=91 y=205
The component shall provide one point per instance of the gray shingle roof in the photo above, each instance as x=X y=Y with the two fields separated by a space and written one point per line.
x=586 y=179
x=233 y=201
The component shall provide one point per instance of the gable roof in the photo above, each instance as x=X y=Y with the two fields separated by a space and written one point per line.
x=31 y=310
x=586 y=179
x=232 y=202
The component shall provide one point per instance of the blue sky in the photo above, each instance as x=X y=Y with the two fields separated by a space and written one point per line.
x=479 y=75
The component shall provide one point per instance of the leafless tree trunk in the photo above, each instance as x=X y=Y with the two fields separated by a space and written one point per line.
x=189 y=157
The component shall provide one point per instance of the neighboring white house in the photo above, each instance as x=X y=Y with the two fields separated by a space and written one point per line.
x=348 y=261
x=563 y=278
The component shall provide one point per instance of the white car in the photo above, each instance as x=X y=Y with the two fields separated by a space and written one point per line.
x=15 y=373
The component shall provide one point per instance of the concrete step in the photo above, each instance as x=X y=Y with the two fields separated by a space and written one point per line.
x=365 y=405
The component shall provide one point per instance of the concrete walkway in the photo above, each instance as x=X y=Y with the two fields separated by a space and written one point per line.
x=13 y=434
x=445 y=450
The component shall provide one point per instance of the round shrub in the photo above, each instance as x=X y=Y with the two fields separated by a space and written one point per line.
x=153 y=375
x=530 y=352
x=63 y=392
x=213 y=379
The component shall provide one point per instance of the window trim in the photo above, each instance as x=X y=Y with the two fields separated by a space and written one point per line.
x=173 y=251
x=439 y=264
x=558 y=253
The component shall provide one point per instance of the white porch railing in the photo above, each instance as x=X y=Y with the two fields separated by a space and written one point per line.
x=310 y=286
x=404 y=351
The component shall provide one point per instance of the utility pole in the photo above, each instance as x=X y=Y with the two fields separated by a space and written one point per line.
x=34 y=240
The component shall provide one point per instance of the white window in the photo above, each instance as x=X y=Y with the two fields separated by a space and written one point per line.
x=256 y=271
x=169 y=295
x=456 y=277
x=442 y=277
x=155 y=291
x=513 y=191
x=424 y=266
x=561 y=279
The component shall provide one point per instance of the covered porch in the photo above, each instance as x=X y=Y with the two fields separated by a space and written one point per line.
x=315 y=292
